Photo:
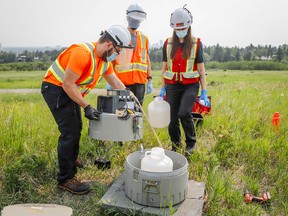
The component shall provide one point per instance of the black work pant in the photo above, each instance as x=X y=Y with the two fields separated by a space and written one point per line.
x=138 y=90
x=181 y=99
x=67 y=115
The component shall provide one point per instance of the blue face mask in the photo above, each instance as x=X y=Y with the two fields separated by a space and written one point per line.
x=112 y=57
x=182 y=33
x=133 y=23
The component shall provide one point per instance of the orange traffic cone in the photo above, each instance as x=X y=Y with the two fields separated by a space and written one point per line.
x=276 y=119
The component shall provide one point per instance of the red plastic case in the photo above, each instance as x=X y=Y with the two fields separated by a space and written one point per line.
x=199 y=108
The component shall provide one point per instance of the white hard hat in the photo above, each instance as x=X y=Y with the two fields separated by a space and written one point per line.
x=181 y=18
x=120 y=35
x=136 y=11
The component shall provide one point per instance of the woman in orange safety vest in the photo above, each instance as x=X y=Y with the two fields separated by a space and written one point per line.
x=183 y=69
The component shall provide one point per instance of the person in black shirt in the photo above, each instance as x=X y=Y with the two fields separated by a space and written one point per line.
x=183 y=72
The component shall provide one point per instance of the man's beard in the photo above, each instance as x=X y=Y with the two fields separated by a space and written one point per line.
x=106 y=54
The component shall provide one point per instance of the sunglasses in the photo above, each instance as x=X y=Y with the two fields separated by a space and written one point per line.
x=117 y=50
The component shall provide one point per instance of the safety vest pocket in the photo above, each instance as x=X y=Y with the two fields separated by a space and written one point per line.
x=168 y=75
x=190 y=75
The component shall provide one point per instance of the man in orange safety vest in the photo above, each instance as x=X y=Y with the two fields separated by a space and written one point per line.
x=135 y=70
x=72 y=75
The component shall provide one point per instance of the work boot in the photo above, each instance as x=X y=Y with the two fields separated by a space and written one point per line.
x=74 y=186
x=78 y=163
x=175 y=146
x=189 y=150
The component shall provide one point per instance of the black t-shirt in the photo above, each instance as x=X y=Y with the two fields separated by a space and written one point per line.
x=199 y=54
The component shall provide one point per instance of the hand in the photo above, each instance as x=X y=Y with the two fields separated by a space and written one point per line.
x=108 y=86
x=205 y=98
x=149 y=87
x=162 y=92
x=91 y=113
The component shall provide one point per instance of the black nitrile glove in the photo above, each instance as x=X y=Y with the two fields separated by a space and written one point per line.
x=91 y=113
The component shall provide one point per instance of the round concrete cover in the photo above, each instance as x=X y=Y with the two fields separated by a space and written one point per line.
x=36 y=209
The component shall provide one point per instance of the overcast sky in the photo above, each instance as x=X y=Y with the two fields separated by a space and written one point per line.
x=64 y=22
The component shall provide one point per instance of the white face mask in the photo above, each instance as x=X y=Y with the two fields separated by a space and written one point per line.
x=112 y=57
x=182 y=33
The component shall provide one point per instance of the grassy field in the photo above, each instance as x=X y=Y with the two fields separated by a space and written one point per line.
x=237 y=146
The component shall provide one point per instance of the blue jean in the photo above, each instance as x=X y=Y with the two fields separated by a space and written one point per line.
x=67 y=115
x=181 y=99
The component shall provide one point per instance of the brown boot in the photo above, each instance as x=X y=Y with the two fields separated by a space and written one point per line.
x=74 y=186
x=78 y=163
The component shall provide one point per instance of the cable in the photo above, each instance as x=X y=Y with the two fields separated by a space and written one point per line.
x=138 y=103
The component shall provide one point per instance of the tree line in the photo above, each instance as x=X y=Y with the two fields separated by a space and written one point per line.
x=29 y=56
x=225 y=54
x=216 y=57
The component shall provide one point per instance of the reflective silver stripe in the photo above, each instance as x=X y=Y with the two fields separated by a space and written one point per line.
x=90 y=47
x=168 y=75
x=90 y=78
x=83 y=89
x=57 y=70
x=191 y=60
x=143 y=48
x=134 y=66
x=140 y=66
x=168 y=53
x=120 y=70
x=87 y=81
x=179 y=76
x=188 y=75
x=104 y=68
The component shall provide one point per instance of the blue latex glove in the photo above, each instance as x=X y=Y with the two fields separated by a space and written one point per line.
x=108 y=86
x=162 y=92
x=204 y=97
x=149 y=87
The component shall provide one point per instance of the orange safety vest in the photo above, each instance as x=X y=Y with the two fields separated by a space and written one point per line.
x=136 y=71
x=96 y=70
x=189 y=73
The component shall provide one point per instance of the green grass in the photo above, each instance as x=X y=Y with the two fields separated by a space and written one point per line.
x=237 y=146
x=21 y=79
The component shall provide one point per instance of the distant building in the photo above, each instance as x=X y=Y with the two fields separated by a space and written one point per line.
x=264 y=58
x=21 y=58
x=0 y=47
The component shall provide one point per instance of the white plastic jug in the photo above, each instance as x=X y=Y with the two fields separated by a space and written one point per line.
x=156 y=161
x=159 y=113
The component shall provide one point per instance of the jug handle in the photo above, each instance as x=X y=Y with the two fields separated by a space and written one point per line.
x=147 y=152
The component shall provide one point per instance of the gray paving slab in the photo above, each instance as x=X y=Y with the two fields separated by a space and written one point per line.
x=115 y=198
